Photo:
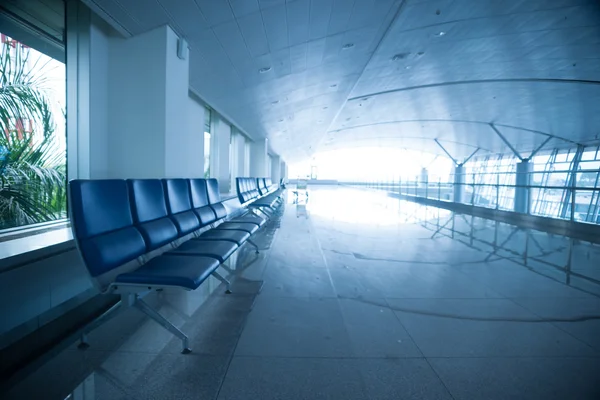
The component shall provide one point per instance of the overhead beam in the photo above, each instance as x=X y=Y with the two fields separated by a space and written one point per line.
x=471 y=156
x=510 y=146
x=534 y=152
x=446 y=151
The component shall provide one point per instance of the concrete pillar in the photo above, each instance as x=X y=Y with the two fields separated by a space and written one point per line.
x=522 y=194
x=259 y=159
x=284 y=171
x=459 y=184
x=424 y=178
x=275 y=169
x=147 y=106
x=220 y=153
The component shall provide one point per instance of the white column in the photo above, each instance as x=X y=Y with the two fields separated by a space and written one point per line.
x=221 y=140
x=239 y=143
x=259 y=159
x=284 y=171
x=523 y=179
x=195 y=128
x=459 y=183
x=147 y=108
x=275 y=169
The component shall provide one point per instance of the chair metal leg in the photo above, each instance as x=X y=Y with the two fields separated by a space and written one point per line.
x=153 y=314
x=108 y=314
x=222 y=279
x=251 y=243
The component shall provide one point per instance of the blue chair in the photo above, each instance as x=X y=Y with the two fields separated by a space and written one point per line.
x=114 y=246
x=180 y=211
x=207 y=216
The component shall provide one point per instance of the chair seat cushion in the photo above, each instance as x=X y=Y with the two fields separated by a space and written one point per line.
x=264 y=202
x=172 y=270
x=250 y=218
x=238 y=226
x=238 y=237
x=219 y=249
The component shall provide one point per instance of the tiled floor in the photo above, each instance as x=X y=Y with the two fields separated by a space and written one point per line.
x=362 y=297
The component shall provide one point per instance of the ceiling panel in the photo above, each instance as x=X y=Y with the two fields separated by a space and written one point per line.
x=431 y=69
x=274 y=19
x=253 y=32
x=298 y=21
x=244 y=7
x=215 y=12
x=320 y=14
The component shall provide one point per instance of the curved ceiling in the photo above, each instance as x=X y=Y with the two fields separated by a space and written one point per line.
x=362 y=72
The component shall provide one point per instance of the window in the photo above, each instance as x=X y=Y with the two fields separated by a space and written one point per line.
x=32 y=136
x=207 y=125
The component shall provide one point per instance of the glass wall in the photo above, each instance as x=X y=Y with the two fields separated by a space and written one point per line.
x=207 y=141
x=32 y=138
x=564 y=183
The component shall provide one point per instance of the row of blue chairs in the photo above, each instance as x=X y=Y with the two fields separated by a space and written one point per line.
x=140 y=235
x=258 y=193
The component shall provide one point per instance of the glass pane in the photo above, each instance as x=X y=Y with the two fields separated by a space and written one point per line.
x=206 y=155
x=32 y=136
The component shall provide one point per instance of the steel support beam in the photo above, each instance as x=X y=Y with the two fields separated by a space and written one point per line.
x=510 y=146
x=446 y=151
x=471 y=156
x=533 y=153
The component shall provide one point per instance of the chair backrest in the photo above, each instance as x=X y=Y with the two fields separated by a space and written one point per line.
x=214 y=198
x=102 y=224
x=247 y=189
x=150 y=215
x=200 y=201
x=179 y=205
x=268 y=183
x=253 y=188
x=260 y=186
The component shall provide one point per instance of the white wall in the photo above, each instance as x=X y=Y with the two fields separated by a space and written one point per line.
x=259 y=159
x=275 y=169
x=99 y=60
x=180 y=145
x=137 y=105
x=221 y=137
x=195 y=132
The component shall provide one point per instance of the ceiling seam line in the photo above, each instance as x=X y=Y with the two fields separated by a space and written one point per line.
x=461 y=121
x=477 y=81
x=387 y=30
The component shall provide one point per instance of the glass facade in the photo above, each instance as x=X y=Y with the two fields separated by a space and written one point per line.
x=207 y=141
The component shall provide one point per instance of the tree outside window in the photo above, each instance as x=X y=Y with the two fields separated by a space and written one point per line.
x=32 y=136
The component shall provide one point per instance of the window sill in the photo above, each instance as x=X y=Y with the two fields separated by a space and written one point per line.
x=37 y=245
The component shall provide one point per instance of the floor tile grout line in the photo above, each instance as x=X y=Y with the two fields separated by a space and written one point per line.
x=419 y=348
x=554 y=324
x=245 y=322
x=363 y=382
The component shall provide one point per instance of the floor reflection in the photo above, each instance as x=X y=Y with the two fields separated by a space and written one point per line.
x=361 y=296
x=570 y=261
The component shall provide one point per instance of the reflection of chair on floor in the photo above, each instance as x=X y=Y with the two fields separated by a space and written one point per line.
x=301 y=210
x=301 y=191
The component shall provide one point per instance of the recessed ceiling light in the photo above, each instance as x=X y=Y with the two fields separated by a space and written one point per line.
x=407 y=67
x=348 y=46
x=264 y=69
x=400 y=56
x=442 y=33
